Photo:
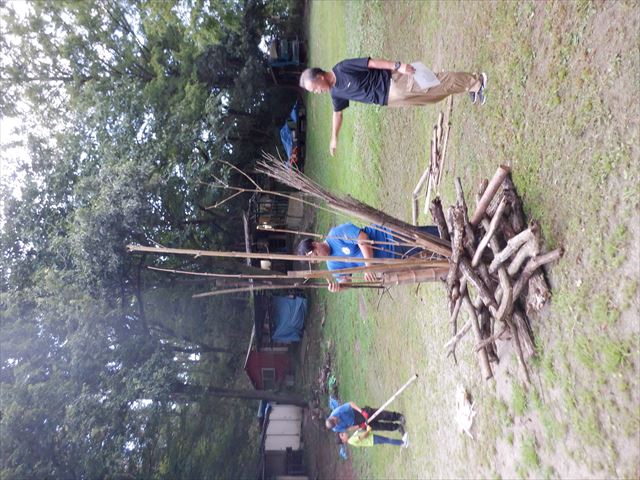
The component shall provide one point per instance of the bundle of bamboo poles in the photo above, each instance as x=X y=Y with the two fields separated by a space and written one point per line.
x=429 y=265
x=437 y=155
x=391 y=271
x=498 y=256
x=276 y=169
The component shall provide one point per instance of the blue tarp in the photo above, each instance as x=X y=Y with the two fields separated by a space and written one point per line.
x=287 y=140
x=288 y=315
x=286 y=136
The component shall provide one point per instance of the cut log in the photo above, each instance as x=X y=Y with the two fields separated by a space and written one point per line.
x=482 y=187
x=469 y=233
x=457 y=225
x=489 y=193
x=512 y=247
x=532 y=265
x=492 y=339
x=538 y=293
x=525 y=335
x=506 y=305
x=486 y=328
x=517 y=213
x=473 y=278
x=438 y=218
x=450 y=346
x=482 y=353
x=491 y=230
x=528 y=250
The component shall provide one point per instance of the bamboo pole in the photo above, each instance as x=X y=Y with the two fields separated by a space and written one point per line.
x=393 y=397
x=409 y=263
x=262 y=256
x=350 y=206
x=255 y=288
x=217 y=275
x=423 y=178
x=414 y=276
x=331 y=237
x=443 y=155
x=432 y=170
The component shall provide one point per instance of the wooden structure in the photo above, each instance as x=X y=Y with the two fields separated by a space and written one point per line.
x=281 y=453
x=437 y=155
x=267 y=213
x=268 y=364
x=494 y=269
x=286 y=61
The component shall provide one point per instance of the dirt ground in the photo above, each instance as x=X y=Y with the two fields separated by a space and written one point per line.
x=322 y=458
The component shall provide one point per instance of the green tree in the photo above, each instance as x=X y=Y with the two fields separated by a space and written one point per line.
x=128 y=106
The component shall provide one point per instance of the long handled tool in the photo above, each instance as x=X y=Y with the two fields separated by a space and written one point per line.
x=394 y=396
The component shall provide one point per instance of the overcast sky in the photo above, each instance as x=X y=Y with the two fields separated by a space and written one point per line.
x=9 y=157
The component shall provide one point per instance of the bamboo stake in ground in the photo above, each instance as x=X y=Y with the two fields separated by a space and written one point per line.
x=393 y=397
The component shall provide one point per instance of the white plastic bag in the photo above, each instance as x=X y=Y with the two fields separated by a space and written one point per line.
x=424 y=77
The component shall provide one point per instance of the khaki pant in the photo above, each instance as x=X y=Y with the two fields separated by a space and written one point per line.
x=404 y=91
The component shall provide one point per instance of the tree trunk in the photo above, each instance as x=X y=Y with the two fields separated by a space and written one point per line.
x=206 y=349
x=182 y=389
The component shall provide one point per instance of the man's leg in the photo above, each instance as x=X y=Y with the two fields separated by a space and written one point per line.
x=385 y=415
x=403 y=91
x=379 y=440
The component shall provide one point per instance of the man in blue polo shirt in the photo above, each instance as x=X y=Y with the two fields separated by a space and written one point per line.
x=383 y=82
x=348 y=417
x=347 y=240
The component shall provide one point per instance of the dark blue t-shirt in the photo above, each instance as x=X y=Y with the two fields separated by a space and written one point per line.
x=355 y=81
x=346 y=417
x=343 y=241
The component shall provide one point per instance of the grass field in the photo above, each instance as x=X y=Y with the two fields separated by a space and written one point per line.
x=563 y=112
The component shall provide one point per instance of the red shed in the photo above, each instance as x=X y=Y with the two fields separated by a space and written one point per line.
x=268 y=363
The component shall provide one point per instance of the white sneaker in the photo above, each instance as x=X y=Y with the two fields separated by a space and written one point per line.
x=405 y=440
x=480 y=93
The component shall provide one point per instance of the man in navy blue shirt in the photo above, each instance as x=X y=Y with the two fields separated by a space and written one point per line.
x=383 y=82
x=349 y=416
x=347 y=240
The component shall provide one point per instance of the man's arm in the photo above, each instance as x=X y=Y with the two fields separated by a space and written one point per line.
x=379 y=64
x=364 y=242
x=335 y=130
x=336 y=285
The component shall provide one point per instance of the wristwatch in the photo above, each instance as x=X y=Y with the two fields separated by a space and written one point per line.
x=397 y=66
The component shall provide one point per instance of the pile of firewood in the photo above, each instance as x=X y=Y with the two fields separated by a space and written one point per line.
x=494 y=269
x=437 y=154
